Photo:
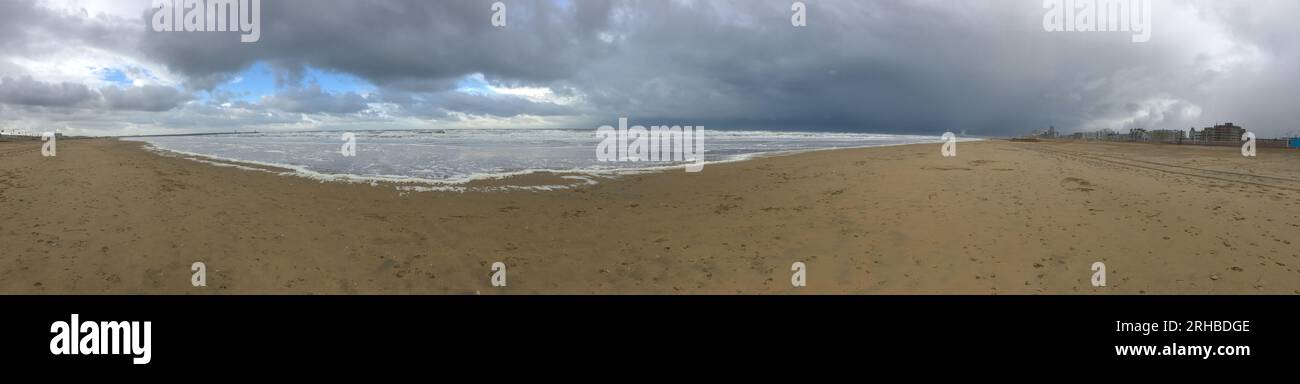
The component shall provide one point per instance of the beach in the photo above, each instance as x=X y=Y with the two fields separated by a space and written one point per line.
x=108 y=216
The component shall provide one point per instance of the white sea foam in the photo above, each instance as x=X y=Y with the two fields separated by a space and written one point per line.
x=447 y=160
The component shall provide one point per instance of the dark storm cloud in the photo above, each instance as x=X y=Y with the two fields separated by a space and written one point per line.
x=986 y=67
x=875 y=66
x=391 y=42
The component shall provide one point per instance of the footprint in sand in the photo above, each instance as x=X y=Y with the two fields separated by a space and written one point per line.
x=1077 y=184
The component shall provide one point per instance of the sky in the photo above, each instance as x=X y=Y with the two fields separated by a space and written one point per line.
x=985 y=67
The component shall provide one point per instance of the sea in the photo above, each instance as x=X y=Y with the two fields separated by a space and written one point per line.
x=445 y=159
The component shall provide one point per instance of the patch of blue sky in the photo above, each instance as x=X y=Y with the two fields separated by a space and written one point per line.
x=250 y=84
x=474 y=83
x=125 y=76
x=337 y=82
x=258 y=80
x=114 y=76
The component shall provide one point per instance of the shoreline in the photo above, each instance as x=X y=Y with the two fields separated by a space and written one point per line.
x=499 y=180
x=107 y=216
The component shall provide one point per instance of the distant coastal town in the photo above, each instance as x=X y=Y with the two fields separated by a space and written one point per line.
x=22 y=134
x=1219 y=134
x=17 y=132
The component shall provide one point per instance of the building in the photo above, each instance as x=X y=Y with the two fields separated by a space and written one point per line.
x=1138 y=134
x=1050 y=133
x=1166 y=135
x=1221 y=132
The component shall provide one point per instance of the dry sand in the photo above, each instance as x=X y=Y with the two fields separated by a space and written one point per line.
x=105 y=216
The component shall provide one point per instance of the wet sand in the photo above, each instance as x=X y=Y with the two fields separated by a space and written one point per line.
x=106 y=216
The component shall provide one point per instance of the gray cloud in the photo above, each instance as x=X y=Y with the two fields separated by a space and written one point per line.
x=986 y=67
x=29 y=92
x=26 y=91
x=439 y=104
x=28 y=28
x=151 y=98
x=312 y=99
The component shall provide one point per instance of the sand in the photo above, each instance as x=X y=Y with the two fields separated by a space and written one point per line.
x=107 y=216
